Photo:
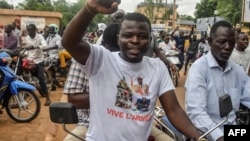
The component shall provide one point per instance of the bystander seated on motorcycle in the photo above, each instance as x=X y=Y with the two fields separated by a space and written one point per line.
x=77 y=85
x=37 y=43
x=54 y=47
x=78 y=82
x=203 y=48
x=192 y=50
x=125 y=85
x=241 y=52
x=63 y=56
x=212 y=76
x=77 y=89
x=46 y=32
x=10 y=40
x=180 y=43
x=166 y=45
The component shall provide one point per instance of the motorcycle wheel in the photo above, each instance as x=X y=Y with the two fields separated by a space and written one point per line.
x=175 y=77
x=29 y=108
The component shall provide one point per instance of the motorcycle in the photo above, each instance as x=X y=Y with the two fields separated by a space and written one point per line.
x=26 y=71
x=162 y=122
x=65 y=113
x=173 y=57
x=243 y=115
x=52 y=64
x=17 y=97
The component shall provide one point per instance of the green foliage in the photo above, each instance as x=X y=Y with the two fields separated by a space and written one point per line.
x=36 y=5
x=186 y=17
x=231 y=10
x=205 y=8
x=68 y=10
x=5 y=5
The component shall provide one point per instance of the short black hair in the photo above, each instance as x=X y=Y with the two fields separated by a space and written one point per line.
x=32 y=26
x=240 y=33
x=218 y=24
x=136 y=16
x=110 y=36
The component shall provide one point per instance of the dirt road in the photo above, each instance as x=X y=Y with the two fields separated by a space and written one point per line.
x=38 y=129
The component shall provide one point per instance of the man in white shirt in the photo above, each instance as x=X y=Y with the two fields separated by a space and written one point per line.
x=212 y=76
x=54 y=47
x=166 y=45
x=127 y=101
x=241 y=54
x=37 y=43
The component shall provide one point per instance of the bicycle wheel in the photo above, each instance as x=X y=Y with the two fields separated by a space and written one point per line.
x=175 y=77
x=27 y=109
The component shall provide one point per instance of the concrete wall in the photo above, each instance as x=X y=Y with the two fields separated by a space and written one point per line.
x=7 y=16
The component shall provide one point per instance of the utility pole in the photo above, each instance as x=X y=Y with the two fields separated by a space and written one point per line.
x=174 y=16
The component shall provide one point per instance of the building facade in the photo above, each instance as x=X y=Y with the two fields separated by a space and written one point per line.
x=160 y=15
x=40 y=18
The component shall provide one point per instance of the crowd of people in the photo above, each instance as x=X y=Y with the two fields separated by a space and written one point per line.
x=214 y=74
x=37 y=44
x=116 y=78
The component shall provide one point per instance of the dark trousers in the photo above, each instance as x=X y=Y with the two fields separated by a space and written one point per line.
x=181 y=57
x=189 y=57
x=41 y=77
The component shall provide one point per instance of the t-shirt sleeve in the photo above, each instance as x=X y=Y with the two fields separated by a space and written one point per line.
x=98 y=55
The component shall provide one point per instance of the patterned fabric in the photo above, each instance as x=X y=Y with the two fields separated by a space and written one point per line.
x=77 y=82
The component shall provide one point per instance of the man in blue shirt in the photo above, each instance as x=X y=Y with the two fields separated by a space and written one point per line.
x=180 y=43
x=212 y=76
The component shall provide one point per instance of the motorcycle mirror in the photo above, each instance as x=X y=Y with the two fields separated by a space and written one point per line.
x=225 y=104
x=61 y=112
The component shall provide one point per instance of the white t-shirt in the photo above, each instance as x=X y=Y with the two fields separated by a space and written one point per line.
x=121 y=108
x=242 y=58
x=166 y=47
x=53 y=41
x=36 y=54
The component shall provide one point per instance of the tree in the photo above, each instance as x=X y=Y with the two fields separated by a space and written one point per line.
x=205 y=8
x=5 y=5
x=36 y=5
x=231 y=10
x=186 y=17
x=68 y=10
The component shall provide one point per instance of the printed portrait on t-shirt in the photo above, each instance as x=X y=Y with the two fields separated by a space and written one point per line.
x=133 y=96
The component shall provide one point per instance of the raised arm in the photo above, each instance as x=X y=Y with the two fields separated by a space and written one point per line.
x=172 y=34
x=72 y=37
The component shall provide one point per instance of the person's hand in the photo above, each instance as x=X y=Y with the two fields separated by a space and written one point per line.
x=29 y=47
x=102 y=6
x=172 y=66
x=220 y=138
